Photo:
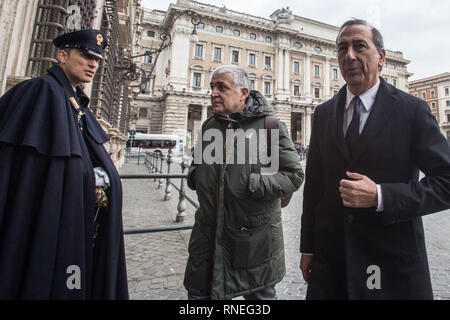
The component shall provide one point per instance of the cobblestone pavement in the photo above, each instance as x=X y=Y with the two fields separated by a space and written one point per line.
x=156 y=261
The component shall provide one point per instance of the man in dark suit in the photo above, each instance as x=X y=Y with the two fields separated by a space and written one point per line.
x=361 y=234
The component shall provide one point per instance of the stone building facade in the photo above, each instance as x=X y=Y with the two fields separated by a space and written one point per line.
x=27 y=28
x=292 y=60
x=435 y=91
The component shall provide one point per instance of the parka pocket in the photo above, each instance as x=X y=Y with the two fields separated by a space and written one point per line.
x=249 y=247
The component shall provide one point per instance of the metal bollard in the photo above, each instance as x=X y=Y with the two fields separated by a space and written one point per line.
x=154 y=159
x=147 y=161
x=139 y=155
x=155 y=170
x=161 y=180
x=181 y=215
x=150 y=162
x=168 y=194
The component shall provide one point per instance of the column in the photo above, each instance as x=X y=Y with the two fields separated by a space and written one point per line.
x=204 y=113
x=287 y=71
x=179 y=60
x=279 y=70
x=326 y=89
x=16 y=23
x=174 y=118
x=307 y=84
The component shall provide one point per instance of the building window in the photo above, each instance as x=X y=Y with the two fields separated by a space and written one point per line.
x=236 y=33
x=253 y=36
x=433 y=105
x=197 y=79
x=318 y=49
x=446 y=92
x=316 y=92
x=267 y=62
x=252 y=84
x=268 y=39
x=316 y=70
x=199 y=51
x=296 y=67
x=432 y=94
x=145 y=86
x=217 y=54
x=201 y=25
x=335 y=74
x=148 y=58
x=142 y=130
x=448 y=103
x=448 y=136
x=219 y=29
x=394 y=82
x=235 y=56
x=267 y=87
x=298 y=45
x=424 y=95
x=252 y=59
x=448 y=119
x=151 y=34
x=143 y=113
x=296 y=90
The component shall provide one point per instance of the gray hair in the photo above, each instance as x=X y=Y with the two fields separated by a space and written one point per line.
x=377 y=38
x=240 y=76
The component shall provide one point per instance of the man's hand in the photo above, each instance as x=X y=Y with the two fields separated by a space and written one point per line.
x=360 y=192
x=305 y=265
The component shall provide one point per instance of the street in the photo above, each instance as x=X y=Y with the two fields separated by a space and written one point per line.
x=156 y=261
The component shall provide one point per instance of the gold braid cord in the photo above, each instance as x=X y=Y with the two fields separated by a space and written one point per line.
x=101 y=200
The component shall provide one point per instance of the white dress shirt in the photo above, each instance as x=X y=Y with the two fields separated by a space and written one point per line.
x=367 y=100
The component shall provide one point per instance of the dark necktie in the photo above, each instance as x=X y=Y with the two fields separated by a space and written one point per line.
x=353 y=129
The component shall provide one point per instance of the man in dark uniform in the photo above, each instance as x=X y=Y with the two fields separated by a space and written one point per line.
x=61 y=233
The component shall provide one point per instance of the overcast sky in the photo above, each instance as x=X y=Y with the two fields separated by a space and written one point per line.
x=418 y=28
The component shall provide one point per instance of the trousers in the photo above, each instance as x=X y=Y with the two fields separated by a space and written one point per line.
x=268 y=293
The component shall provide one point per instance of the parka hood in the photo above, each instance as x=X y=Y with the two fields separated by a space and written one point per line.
x=256 y=106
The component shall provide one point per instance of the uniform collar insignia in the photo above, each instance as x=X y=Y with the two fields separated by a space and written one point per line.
x=74 y=103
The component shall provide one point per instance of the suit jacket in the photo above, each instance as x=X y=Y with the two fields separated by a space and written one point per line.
x=359 y=250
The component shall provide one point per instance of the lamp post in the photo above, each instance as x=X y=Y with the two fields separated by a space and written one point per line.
x=131 y=71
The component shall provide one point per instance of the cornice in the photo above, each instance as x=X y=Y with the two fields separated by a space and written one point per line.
x=239 y=19
x=430 y=82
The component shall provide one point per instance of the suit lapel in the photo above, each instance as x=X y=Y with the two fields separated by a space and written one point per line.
x=381 y=111
x=338 y=121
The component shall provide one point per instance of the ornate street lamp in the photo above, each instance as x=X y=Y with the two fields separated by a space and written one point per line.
x=130 y=70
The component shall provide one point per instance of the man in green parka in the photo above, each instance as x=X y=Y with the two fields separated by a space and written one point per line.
x=236 y=246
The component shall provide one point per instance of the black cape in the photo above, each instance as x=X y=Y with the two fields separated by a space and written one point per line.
x=47 y=198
